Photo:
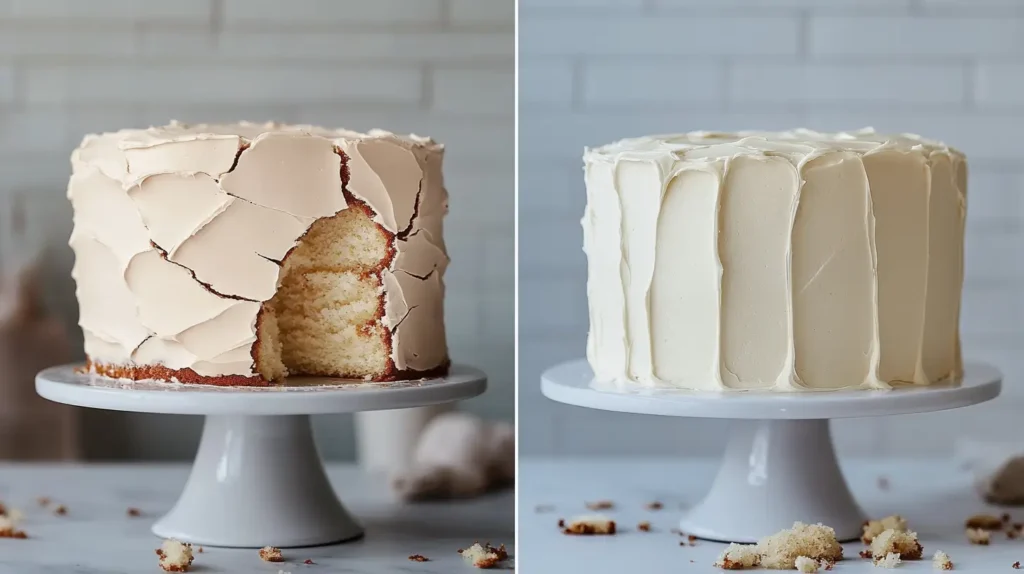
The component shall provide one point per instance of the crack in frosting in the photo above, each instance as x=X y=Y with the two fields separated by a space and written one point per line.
x=792 y=261
x=180 y=233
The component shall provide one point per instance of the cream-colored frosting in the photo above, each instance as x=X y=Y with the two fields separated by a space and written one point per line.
x=790 y=261
x=179 y=232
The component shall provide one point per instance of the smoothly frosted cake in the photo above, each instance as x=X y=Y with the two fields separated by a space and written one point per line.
x=241 y=254
x=793 y=261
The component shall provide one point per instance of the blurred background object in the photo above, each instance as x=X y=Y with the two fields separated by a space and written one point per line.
x=443 y=68
x=594 y=71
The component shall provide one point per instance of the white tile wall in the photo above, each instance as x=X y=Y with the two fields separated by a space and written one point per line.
x=443 y=68
x=597 y=70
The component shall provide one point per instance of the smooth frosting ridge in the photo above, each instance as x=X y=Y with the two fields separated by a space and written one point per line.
x=179 y=232
x=789 y=261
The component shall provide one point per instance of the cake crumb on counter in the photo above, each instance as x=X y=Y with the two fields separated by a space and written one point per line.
x=175 y=556
x=902 y=543
x=873 y=528
x=271 y=554
x=739 y=557
x=941 y=561
x=978 y=536
x=484 y=555
x=588 y=525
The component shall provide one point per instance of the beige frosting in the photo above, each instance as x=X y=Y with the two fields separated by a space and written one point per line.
x=788 y=261
x=179 y=231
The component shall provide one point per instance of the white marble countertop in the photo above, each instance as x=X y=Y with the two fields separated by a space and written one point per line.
x=934 y=496
x=97 y=537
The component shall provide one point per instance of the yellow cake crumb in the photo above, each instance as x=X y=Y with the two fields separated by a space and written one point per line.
x=175 y=556
x=873 y=528
x=806 y=565
x=485 y=555
x=903 y=543
x=8 y=528
x=816 y=541
x=271 y=554
x=739 y=557
x=593 y=524
x=891 y=560
x=941 y=561
x=978 y=536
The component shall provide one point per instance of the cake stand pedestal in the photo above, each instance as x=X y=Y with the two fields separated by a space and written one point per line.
x=779 y=466
x=257 y=479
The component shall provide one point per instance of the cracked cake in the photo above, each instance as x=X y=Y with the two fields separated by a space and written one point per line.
x=793 y=261
x=242 y=254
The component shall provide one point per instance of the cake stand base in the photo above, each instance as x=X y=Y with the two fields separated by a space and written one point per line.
x=775 y=473
x=257 y=479
x=779 y=466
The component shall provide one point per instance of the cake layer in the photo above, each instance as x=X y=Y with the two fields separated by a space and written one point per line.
x=184 y=235
x=785 y=261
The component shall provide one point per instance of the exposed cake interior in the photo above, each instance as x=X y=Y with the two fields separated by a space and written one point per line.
x=325 y=318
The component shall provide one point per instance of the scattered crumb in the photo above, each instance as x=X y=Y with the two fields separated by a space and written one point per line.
x=677 y=531
x=271 y=554
x=644 y=526
x=485 y=556
x=890 y=561
x=817 y=541
x=61 y=510
x=654 y=505
x=200 y=550
x=3 y=509
x=43 y=501
x=8 y=529
x=600 y=505
x=865 y=554
x=1005 y=517
x=978 y=536
x=739 y=557
x=596 y=524
x=561 y=523
x=308 y=561
x=984 y=522
x=806 y=565
x=941 y=561
x=414 y=558
x=175 y=556
x=1016 y=565
x=873 y=528
x=1012 y=534
x=903 y=543
x=542 y=508
x=883 y=483
x=134 y=512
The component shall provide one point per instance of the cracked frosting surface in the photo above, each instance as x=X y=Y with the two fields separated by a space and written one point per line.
x=790 y=261
x=180 y=230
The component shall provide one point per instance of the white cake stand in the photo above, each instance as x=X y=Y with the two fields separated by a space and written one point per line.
x=257 y=479
x=779 y=466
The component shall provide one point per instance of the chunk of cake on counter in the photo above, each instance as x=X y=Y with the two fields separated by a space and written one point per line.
x=241 y=254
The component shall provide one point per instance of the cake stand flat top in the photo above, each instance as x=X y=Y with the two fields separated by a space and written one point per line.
x=299 y=396
x=572 y=383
